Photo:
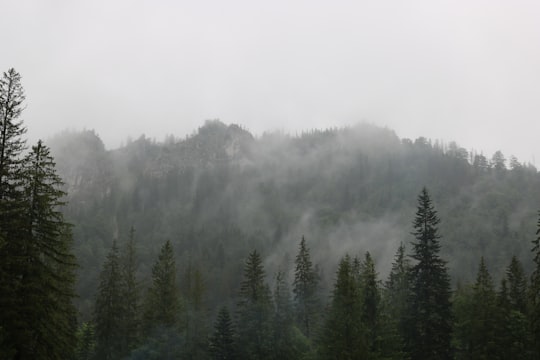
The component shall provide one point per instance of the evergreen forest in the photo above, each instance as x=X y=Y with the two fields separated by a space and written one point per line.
x=344 y=243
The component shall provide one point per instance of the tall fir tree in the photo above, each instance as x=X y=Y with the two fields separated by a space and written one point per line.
x=131 y=294
x=517 y=285
x=283 y=337
x=254 y=312
x=163 y=303
x=305 y=290
x=513 y=336
x=109 y=309
x=371 y=301
x=222 y=345
x=11 y=206
x=37 y=267
x=344 y=334
x=534 y=292
x=196 y=314
x=483 y=317
x=431 y=316
x=46 y=283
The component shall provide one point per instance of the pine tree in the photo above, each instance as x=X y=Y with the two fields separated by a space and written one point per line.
x=86 y=342
x=344 y=335
x=517 y=286
x=47 y=266
x=162 y=307
x=430 y=304
x=514 y=338
x=398 y=292
x=131 y=295
x=305 y=290
x=371 y=299
x=196 y=314
x=534 y=292
x=109 y=309
x=483 y=317
x=254 y=311
x=282 y=324
x=222 y=346
x=11 y=208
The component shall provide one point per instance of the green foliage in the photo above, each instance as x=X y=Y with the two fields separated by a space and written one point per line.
x=431 y=318
x=37 y=267
x=86 y=342
x=222 y=345
x=254 y=312
x=344 y=334
x=162 y=306
x=305 y=290
x=109 y=309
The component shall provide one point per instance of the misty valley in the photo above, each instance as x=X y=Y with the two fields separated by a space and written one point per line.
x=342 y=243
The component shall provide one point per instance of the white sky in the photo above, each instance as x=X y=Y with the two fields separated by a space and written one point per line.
x=455 y=70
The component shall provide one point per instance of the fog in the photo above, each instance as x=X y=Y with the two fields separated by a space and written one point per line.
x=445 y=70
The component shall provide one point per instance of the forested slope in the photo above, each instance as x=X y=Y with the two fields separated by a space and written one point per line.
x=222 y=192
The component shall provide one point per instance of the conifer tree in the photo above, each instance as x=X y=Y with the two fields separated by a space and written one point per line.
x=305 y=290
x=282 y=336
x=47 y=266
x=222 y=346
x=517 y=286
x=514 y=338
x=398 y=291
x=85 y=342
x=371 y=299
x=11 y=206
x=131 y=295
x=163 y=299
x=344 y=335
x=534 y=292
x=109 y=309
x=483 y=317
x=195 y=314
x=431 y=324
x=254 y=311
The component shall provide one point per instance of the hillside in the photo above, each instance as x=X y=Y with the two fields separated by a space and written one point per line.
x=222 y=192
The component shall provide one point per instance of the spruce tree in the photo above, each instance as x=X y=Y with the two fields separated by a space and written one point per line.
x=514 y=338
x=282 y=322
x=222 y=346
x=45 y=292
x=11 y=208
x=305 y=290
x=517 y=286
x=195 y=314
x=254 y=311
x=109 y=309
x=534 y=292
x=86 y=342
x=162 y=306
x=131 y=295
x=431 y=317
x=398 y=291
x=483 y=317
x=344 y=335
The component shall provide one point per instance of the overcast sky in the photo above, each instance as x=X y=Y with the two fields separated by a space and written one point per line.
x=454 y=70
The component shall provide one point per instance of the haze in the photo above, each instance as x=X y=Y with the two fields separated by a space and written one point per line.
x=464 y=71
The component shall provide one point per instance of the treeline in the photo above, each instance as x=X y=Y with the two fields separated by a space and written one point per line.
x=413 y=314
x=37 y=268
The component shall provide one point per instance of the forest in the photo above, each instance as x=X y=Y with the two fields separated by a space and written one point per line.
x=345 y=243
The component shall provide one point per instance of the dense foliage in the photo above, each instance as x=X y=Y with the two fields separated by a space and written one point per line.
x=195 y=248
